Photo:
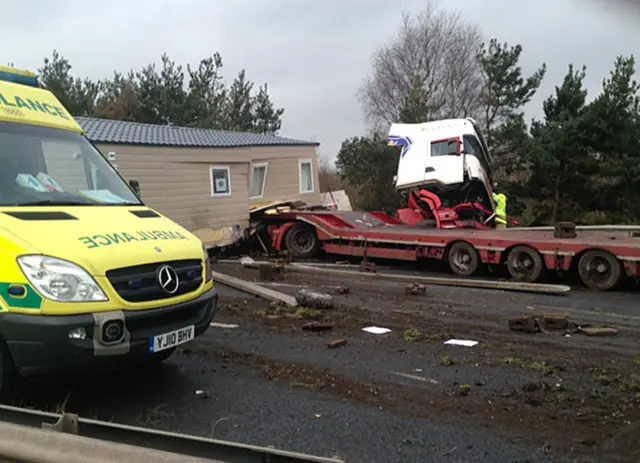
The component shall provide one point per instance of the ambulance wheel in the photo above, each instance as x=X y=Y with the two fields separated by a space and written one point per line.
x=525 y=264
x=11 y=382
x=600 y=270
x=463 y=259
x=302 y=241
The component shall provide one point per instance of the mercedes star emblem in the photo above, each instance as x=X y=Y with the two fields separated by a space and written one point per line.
x=168 y=279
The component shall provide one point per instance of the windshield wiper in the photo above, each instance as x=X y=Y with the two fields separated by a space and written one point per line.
x=53 y=202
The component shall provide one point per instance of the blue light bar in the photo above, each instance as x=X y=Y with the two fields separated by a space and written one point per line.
x=18 y=77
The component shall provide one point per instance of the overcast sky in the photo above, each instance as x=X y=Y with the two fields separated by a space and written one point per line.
x=313 y=54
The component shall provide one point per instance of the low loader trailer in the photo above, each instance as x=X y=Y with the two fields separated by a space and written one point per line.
x=601 y=261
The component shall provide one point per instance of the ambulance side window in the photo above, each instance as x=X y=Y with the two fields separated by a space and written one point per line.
x=65 y=165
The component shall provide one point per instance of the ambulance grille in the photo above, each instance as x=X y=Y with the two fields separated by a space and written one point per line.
x=140 y=283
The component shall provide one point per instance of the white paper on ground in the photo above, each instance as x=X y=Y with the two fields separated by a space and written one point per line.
x=376 y=330
x=222 y=325
x=461 y=342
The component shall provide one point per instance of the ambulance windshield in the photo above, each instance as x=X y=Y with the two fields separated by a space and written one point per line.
x=47 y=167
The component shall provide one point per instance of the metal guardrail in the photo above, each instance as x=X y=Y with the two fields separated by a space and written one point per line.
x=182 y=444
x=592 y=228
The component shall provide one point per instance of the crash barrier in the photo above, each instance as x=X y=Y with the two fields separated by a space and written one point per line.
x=68 y=438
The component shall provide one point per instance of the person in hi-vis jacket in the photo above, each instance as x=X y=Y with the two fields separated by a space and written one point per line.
x=501 y=208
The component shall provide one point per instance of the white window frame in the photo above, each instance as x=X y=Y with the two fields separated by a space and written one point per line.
x=313 y=183
x=213 y=191
x=264 y=182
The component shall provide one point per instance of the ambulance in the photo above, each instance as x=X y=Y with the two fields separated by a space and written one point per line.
x=91 y=279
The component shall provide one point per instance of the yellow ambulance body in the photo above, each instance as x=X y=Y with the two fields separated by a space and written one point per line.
x=90 y=278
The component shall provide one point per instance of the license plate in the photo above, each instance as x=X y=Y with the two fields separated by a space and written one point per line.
x=171 y=339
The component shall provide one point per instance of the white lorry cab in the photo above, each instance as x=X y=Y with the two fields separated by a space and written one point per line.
x=448 y=157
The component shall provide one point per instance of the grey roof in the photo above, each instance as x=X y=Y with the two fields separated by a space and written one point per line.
x=134 y=133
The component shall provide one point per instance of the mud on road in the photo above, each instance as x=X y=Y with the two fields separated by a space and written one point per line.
x=575 y=396
x=398 y=397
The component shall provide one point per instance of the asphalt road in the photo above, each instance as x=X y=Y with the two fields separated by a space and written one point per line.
x=244 y=406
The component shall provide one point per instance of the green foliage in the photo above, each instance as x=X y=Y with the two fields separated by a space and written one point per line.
x=167 y=95
x=369 y=165
x=580 y=162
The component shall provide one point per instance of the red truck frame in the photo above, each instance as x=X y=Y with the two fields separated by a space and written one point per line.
x=602 y=261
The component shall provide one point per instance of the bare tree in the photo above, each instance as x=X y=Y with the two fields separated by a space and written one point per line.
x=328 y=175
x=430 y=70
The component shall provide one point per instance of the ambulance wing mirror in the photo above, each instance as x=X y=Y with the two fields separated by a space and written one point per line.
x=135 y=186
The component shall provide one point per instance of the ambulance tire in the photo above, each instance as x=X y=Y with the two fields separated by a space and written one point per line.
x=11 y=381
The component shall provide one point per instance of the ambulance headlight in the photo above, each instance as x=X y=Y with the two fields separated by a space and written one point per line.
x=60 y=280
x=208 y=276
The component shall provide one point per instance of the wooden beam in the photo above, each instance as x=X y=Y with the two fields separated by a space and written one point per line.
x=437 y=281
x=255 y=289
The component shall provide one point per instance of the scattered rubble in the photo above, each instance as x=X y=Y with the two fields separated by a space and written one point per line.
x=461 y=342
x=315 y=327
x=415 y=289
x=376 y=330
x=337 y=343
x=549 y=323
x=314 y=299
x=343 y=290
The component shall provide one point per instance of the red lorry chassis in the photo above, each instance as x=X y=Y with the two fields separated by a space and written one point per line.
x=602 y=261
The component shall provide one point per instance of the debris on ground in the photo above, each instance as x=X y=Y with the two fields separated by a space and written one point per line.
x=343 y=290
x=376 y=330
x=252 y=288
x=247 y=261
x=591 y=330
x=549 y=323
x=272 y=271
x=223 y=325
x=415 y=288
x=314 y=299
x=337 y=343
x=202 y=394
x=315 y=327
x=461 y=342
x=367 y=267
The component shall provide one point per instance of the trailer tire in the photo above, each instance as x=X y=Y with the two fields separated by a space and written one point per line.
x=600 y=270
x=302 y=241
x=525 y=264
x=463 y=259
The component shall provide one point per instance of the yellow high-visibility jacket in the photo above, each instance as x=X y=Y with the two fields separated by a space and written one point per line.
x=501 y=207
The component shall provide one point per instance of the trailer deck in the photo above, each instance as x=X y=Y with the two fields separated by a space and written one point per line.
x=601 y=260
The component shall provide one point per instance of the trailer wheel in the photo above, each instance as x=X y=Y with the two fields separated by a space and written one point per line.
x=463 y=259
x=302 y=241
x=600 y=270
x=525 y=264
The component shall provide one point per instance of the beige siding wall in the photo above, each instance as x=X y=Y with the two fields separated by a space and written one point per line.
x=176 y=182
x=283 y=173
